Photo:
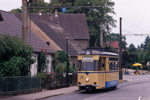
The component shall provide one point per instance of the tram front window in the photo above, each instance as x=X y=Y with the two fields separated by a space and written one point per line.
x=87 y=66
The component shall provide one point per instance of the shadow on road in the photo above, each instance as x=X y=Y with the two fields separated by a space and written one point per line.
x=98 y=91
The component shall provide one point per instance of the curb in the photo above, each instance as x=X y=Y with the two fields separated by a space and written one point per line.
x=49 y=96
x=121 y=81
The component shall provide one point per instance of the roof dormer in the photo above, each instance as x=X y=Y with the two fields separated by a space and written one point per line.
x=1 y=18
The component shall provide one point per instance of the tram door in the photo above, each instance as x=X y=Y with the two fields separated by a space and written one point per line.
x=102 y=68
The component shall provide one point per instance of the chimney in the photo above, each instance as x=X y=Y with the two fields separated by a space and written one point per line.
x=56 y=16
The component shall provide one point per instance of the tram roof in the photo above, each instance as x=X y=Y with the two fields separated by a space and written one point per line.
x=95 y=52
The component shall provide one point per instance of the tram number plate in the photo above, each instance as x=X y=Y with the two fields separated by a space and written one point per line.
x=81 y=77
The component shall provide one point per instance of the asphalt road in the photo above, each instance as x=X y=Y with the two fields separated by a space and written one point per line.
x=137 y=88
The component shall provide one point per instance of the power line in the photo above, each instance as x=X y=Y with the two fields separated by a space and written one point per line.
x=64 y=7
x=135 y=34
x=134 y=25
x=132 y=33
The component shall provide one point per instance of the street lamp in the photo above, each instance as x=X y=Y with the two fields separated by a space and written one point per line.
x=67 y=67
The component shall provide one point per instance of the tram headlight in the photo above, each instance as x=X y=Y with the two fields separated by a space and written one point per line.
x=87 y=79
x=79 y=82
x=95 y=83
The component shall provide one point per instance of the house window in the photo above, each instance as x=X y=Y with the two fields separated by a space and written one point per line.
x=48 y=43
x=1 y=18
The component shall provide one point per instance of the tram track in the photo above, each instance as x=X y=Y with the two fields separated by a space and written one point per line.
x=132 y=83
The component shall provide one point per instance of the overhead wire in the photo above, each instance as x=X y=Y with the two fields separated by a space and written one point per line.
x=129 y=33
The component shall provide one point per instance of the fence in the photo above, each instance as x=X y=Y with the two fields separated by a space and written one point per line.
x=59 y=80
x=19 y=84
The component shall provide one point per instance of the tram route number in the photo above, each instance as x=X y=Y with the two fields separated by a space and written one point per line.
x=81 y=77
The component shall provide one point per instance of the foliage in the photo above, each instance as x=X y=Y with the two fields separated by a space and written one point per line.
x=42 y=75
x=61 y=63
x=140 y=54
x=34 y=3
x=131 y=48
x=147 y=53
x=41 y=61
x=38 y=3
x=15 y=57
x=147 y=40
x=61 y=68
x=61 y=56
x=18 y=10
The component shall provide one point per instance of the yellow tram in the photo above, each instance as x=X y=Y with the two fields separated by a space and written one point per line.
x=97 y=70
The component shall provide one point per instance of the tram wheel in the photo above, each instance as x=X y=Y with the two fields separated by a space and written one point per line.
x=114 y=87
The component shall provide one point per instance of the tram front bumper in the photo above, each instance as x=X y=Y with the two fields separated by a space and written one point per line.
x=87 y=87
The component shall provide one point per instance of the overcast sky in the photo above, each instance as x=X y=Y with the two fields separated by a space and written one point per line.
x=135 y=14
x=136 y=19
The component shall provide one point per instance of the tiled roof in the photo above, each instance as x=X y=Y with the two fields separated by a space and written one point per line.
x=11 y=25
x=75 y=25
x=58 y=35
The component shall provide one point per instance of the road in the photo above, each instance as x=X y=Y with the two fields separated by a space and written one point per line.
x=137 y=88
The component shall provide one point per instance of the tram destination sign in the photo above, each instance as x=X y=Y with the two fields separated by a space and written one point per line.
x=87 y=59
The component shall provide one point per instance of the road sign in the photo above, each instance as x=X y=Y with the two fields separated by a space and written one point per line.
x=63 y=10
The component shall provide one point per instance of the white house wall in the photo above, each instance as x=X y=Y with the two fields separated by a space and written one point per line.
x=34 y=66
x=49 y=63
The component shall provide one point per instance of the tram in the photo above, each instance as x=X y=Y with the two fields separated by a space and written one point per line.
x=97 y=70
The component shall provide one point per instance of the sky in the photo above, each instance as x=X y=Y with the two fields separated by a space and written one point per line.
x=136 y=19
x=135 y=15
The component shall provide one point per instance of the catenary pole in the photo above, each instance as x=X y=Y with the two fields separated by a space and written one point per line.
x=120 y=51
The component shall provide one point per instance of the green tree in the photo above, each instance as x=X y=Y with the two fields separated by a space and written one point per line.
x=140 y=55
x=61 y=68
x=18 y=10
x=147 y=53
x=15 y=57
x=61 y=56
x=41 y=61
x=34 y=3
x=61 y=63
x=38 y=3
x=146 y=42
x=131 y=48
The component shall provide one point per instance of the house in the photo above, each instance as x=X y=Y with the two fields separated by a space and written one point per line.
x=54 y=29
x=114 y=44
x=11 y=25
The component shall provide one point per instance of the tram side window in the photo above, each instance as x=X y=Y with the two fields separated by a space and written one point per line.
x=79 y=65
x=95 y=65
x=101 y=64
x=113 y=63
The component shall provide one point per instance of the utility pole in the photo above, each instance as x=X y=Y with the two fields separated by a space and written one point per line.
x=101 y=34
x=24 y=21
x=67 y=67
x=120 y=51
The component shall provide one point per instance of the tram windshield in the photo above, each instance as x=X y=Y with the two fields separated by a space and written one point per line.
x=88 y=66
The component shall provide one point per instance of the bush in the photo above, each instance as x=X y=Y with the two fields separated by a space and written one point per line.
x=42 y=75
x=61 y=68
x=41 y=61
x=15 y=57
